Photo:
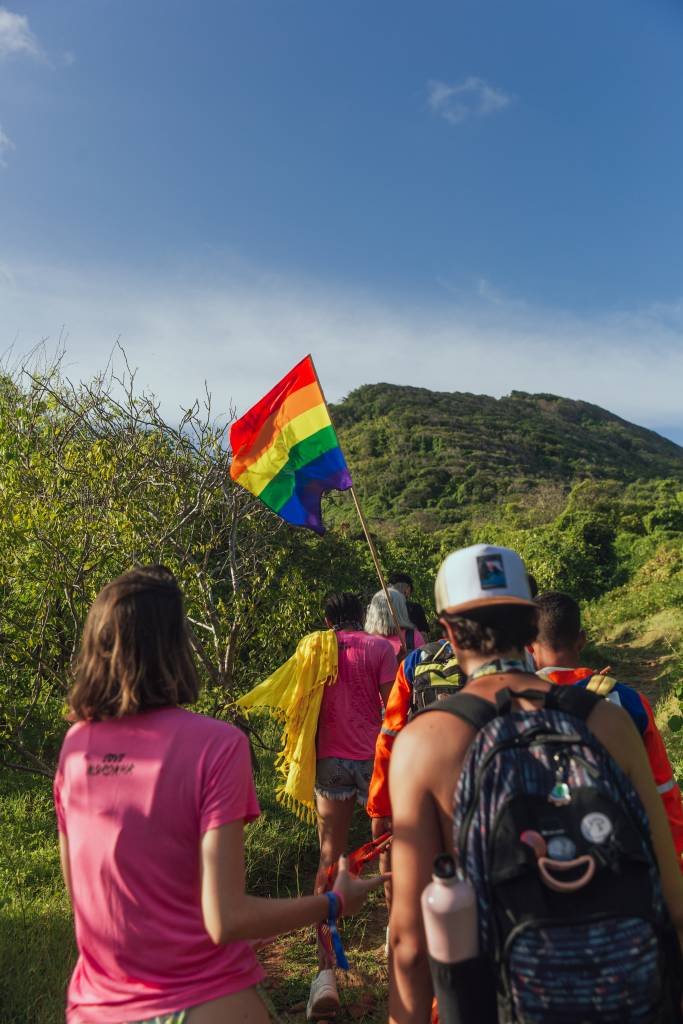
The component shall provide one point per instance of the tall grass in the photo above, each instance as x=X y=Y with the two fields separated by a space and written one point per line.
x=37 y=949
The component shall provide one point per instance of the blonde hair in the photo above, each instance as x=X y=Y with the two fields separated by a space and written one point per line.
x=379 y=619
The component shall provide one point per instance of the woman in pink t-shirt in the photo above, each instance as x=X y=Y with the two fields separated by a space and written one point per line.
x=151 y=803
x=348 y=725
x=380 y=622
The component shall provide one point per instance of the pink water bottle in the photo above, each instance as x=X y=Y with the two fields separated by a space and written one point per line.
x=449 y=910
x=464 y=982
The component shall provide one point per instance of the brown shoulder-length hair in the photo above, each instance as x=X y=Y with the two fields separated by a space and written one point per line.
x=135 y=653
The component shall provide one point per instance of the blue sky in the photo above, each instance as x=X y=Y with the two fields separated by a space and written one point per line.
x=467 y=195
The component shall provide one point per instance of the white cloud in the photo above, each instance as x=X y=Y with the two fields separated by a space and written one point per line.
x=16 y=36
x=472 y=98
x=243 y=332
x=6 y=146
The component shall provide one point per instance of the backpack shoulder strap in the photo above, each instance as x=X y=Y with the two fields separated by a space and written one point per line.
x=505 y=697
x=410 y=639
x=443 y=652
x=434 y=656
x=476 y=711
x=572 y=699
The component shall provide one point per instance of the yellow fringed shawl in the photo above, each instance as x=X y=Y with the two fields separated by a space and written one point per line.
x=294 y=693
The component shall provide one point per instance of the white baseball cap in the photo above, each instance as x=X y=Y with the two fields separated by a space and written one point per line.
x=481 y=575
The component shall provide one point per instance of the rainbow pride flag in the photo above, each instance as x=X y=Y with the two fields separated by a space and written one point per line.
x=286 y=452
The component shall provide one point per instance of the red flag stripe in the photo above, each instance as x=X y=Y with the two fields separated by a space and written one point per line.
x=245 y=431
x=297 y=402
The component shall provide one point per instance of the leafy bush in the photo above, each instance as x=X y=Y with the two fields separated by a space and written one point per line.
x=93 y=480
x=664 y=517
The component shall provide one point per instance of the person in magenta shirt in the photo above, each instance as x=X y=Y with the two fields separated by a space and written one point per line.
x=348 y=725
x=151 y=803
x=379 y=621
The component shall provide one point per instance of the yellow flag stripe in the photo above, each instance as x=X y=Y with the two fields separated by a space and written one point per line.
x=259 y=475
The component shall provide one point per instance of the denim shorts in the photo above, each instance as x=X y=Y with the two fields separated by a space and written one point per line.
x=340 y=778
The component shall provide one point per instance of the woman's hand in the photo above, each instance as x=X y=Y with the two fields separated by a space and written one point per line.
x=354 y=891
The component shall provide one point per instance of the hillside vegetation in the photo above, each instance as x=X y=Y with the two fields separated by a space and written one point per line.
x=430 y=455
x=92 y=480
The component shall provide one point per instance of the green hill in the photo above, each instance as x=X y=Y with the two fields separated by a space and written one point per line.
x=431 y=455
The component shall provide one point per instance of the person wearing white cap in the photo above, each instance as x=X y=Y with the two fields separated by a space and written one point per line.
x=481 y=576
x=484 y=602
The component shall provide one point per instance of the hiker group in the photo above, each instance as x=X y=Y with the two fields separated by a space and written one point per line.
x=523 y=802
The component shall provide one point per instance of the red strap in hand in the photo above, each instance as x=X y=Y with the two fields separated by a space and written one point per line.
x=363 y=855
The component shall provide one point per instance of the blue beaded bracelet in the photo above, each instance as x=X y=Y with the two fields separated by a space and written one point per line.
x=333 y=913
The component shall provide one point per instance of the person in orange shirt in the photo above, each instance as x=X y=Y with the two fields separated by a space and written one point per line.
x=425 y=675
x=557 y=654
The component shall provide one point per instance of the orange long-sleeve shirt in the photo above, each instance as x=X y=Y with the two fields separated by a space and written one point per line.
x=395 y=717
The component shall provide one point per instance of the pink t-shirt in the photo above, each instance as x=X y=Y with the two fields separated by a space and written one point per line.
x=418 y=641
x=351 y=711
x=133 y=797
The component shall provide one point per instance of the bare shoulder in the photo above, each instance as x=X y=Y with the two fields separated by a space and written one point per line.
x=614 y=727
x=429 y=749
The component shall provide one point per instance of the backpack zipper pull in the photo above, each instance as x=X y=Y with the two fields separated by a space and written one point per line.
x=560 y=795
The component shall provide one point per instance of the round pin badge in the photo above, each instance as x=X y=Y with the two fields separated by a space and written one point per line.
x=561 y=848
x=596 y=827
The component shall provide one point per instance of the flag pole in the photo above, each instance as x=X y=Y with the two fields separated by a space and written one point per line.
x=375 y=558
x=366 y=530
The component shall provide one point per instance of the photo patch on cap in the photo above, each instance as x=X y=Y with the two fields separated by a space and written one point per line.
x=491 y=572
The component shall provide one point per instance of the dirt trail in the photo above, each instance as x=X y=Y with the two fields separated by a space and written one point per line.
x=290 y=964
x=646 y=661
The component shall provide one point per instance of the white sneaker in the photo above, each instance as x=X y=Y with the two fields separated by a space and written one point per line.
x=324 y=998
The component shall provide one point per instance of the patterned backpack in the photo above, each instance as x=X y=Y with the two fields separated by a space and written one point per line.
x=555 y=841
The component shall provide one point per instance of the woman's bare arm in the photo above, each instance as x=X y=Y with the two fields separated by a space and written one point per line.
x=230 y=913
x=385 y=692
x=64 y=861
